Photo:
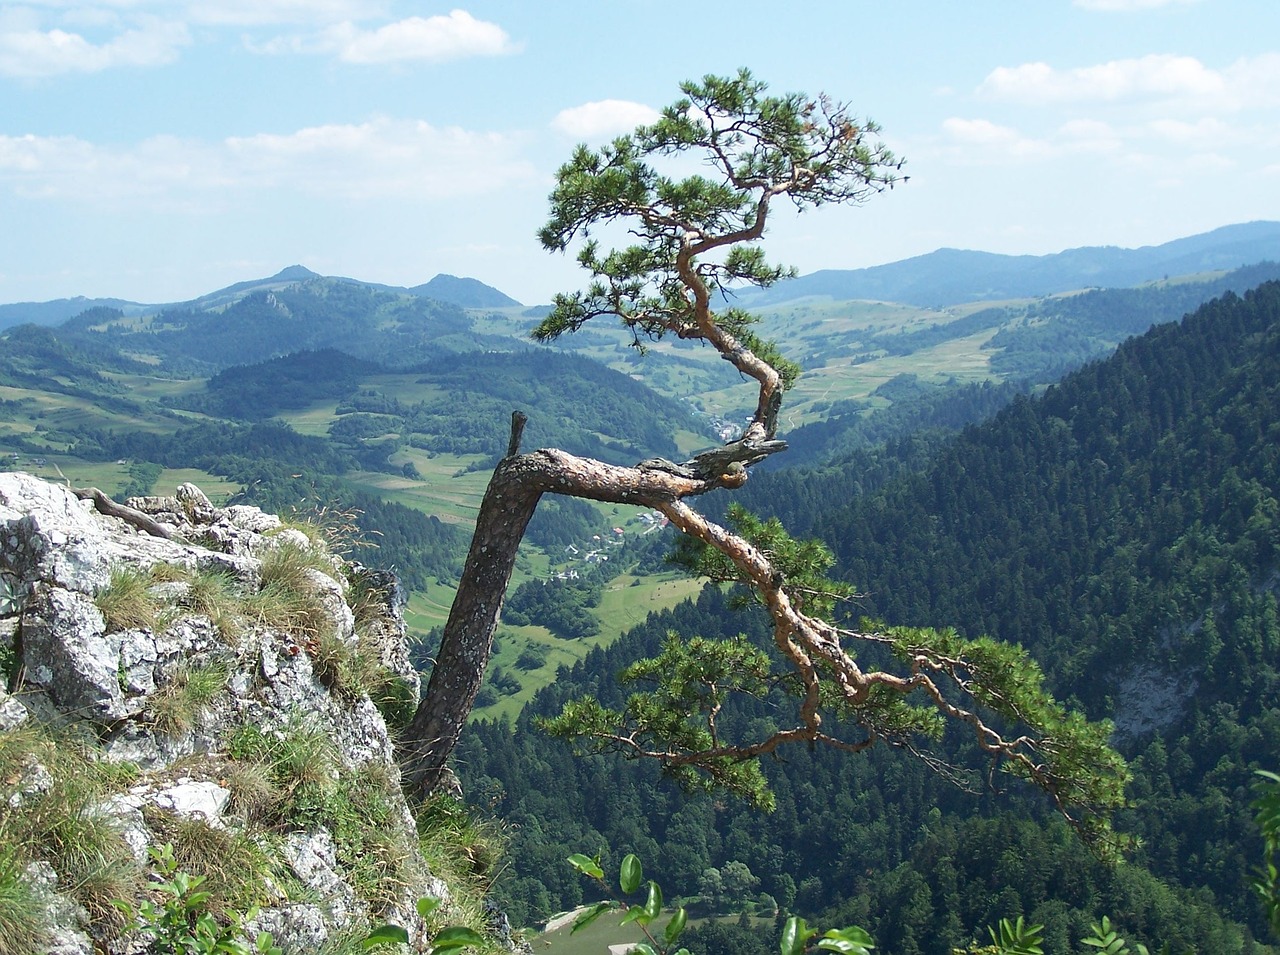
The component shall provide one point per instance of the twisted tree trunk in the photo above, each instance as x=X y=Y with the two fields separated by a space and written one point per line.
x=518 y=483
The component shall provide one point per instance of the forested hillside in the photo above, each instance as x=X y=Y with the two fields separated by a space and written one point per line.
x=938 y=368
x=1124 y=527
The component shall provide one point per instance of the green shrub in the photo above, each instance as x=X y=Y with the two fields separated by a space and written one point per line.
x=181 y=923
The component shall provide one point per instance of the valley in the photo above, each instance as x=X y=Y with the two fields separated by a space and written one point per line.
x=938 y=450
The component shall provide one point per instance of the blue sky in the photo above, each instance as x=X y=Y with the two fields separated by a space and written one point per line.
x=155 y=150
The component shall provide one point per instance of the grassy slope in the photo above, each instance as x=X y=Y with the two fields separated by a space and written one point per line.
x=821 y=334
x=813 y=330
x=627 y=601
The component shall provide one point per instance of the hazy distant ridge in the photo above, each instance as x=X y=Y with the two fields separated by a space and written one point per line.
x=944 y=277
x=953 y=276
x=464 y=292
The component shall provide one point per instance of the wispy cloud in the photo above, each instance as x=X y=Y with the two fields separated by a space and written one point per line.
x=315 y=13
x=1155 y=75
x=1254 y=82
x=406 y=160
x=34 y=53
x=982 y=141
x=603 y=118
x=455 y=36
x=216 y=12
x=49 y=37
x=1170 y=150
x=383 y=158
x=1199 y=133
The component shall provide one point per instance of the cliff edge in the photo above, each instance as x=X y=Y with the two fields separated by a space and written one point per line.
x=221 y=685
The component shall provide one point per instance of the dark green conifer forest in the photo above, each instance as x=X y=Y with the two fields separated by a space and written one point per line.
x=1124 y=527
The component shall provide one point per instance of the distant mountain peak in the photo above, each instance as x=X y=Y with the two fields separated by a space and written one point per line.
x=467 y=293
x=294 y=273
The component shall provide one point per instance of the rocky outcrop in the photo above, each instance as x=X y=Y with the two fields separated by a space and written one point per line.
x=227 y=687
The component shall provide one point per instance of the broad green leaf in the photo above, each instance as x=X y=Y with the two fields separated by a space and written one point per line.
x=1017 y=937
x=631 y=874
x=385 y=935
x=587 y=865
x=426 y=905
x=675 y=926
x=455 y=937
x=653 y=904
x=847 y=941
x=644 y=948
x=795 y=936
x=590 y=915
x=197 y=900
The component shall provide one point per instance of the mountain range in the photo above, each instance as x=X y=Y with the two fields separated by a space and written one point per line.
x=943 y=277
x=952 y=276
x=463 y=292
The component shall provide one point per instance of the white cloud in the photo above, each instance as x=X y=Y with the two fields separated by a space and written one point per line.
x=262 y=12
x=979 y=132
x=1203 y=132
x=38 y=53
x=1089 y=135
x=435 y=39
x=1254 y=82
x=221 y=12
x=381 y=159
x=1153 y=75
x=55 y=37
x=603 y=118
x=982 y=141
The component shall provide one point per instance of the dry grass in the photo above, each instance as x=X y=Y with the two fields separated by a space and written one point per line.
x=126 y=602
x=235 y=864
x=62 y=823
x=253 y=790
x=462 y=850
x=179 y=704
x=214 y=594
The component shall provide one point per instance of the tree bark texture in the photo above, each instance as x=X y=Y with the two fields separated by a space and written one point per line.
x=518 y=483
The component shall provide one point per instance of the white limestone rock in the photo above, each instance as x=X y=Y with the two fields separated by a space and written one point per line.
x=56 y=552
